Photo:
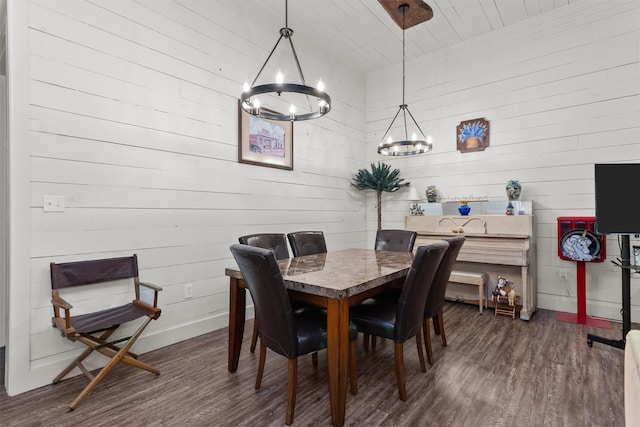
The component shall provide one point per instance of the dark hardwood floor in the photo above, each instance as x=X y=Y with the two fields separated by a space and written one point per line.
x=496 y=371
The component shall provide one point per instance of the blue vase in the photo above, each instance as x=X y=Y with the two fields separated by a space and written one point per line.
x=464 y=209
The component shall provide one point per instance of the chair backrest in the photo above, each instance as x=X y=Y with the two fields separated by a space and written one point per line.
x=276 y=242
x=307 y=243
x=410 y=310
x=79 y=273
x=435 y=300
x=275 y=316
x=395 y=240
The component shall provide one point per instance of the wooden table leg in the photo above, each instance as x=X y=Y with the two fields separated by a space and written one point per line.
x=237 y=303
x=338 y=357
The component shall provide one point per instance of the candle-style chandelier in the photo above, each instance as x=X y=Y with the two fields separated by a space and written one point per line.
x=405 y=145
x=318 y=102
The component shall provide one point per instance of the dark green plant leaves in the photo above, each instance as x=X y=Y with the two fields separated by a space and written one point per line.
x=380 y=178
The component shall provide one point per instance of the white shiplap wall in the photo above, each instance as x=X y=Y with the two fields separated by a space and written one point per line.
x=561 y=92
x=4 y=173
x=128 y=109
x=132 y=110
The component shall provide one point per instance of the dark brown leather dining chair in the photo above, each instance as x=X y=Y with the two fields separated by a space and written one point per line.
x=285 y=331
x=435 y=300
x=307 y=243
x=402 y=320
x=278 y=244
x=395 y=240
x=274 y=241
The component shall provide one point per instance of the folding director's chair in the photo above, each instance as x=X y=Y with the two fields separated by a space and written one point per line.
x=94 y=329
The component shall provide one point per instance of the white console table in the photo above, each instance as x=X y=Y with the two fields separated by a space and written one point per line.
x=495 y=244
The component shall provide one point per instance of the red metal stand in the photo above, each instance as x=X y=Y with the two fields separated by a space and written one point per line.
x=581 y=318
x=568 y=224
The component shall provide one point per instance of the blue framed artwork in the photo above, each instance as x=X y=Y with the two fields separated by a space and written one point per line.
x=472 y=135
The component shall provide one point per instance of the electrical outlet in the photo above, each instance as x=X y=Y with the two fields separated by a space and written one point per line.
x=52 y=203
x=188 y=291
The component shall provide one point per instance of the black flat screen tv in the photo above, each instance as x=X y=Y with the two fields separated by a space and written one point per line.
x=616 y=198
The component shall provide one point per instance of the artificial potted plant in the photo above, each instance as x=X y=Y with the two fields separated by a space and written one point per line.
x=380 y=178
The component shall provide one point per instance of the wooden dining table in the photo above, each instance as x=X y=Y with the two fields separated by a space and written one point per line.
x=334 y=280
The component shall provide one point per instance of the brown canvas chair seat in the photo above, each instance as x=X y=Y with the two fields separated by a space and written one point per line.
x=105 y=319
x=83 y=327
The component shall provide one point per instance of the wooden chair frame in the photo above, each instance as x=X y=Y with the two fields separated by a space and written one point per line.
x=84 y=328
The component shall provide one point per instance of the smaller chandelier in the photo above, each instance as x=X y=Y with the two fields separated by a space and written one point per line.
x=251 y=104
x=407 y=146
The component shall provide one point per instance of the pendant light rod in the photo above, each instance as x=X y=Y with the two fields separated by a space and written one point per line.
x=285 y=32
x=404 y=8
x=288 y=33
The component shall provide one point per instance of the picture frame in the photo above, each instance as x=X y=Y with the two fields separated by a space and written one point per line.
x=472 y=135
x=263 y=142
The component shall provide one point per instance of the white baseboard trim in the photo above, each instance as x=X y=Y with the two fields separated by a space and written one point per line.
x=42 y=372
x=601 y=309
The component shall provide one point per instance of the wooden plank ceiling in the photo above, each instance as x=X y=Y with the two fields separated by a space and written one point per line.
x=362 y=34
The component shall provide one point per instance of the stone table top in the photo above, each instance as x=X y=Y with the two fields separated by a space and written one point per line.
x=340 y=274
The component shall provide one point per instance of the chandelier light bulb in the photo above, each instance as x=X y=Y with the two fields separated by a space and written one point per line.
x=323 y=107
x=429 y=139
x=256 y=104
x=245 y=86
x=413 y=136
x=279 y=78
x=389 y=140
x=320 y=85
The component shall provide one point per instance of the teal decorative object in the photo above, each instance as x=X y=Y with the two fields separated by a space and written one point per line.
x=513 y=190
x=432 y=193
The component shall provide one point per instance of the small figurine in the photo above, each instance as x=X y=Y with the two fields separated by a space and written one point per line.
x=509 y=209
x=416 y=210
x=504 y=289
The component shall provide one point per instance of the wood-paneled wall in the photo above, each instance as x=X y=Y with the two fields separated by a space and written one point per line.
x=561 y=92
x=129 y=110
x=132 y=112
